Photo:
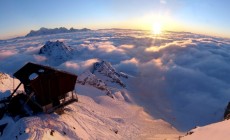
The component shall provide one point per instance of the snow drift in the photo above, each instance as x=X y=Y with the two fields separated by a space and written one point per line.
x=216 y=131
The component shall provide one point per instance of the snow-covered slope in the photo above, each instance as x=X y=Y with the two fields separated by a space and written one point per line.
x=108 y=75
x=7 y=83
x=95 y=116
x=88 y=78
x=216 y=131
x=56 y=52
x=4 y=81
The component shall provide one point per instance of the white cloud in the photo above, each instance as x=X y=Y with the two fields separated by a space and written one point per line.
x=32 y=50
x=126 y=46
x=182 y=43
x=78 y=67
x=6 y=53
x=40 y=58
x=107 y=47
x=180 y=77
x=130 y=66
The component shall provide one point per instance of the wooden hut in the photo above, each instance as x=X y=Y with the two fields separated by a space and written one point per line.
x=46 y=87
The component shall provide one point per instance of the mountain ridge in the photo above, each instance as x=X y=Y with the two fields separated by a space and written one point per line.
x=48 y=31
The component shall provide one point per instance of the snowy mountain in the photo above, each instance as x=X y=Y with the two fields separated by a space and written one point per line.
x=88 y=78
x=106 y=69
x=216 y=131
x=46 y=31
x=107 y=74
x=166 y=85
x=57 y=52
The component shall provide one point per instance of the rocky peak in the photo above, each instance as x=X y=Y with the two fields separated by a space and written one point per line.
x=57 y=51
x=51 y=47
x=90 y=79
x=107 y=69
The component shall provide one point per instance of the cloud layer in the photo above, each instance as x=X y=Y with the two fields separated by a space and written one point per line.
x=178 y=76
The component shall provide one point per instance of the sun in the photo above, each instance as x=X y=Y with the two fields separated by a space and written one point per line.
x=156 y=28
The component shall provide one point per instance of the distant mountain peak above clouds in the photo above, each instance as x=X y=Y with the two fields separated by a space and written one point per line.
x=57 y=51
x=50 y=48
x=107 y=69
x=104 y=77
x=47 y=31
x=88 y=77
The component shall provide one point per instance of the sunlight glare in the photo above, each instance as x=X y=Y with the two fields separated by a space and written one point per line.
x=156 y=29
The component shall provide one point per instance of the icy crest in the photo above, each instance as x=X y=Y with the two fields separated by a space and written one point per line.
x=106 y=68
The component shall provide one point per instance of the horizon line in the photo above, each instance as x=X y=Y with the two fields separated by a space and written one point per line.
x=112 y=28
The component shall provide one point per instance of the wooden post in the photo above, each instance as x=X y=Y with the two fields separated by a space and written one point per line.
x=14 y=91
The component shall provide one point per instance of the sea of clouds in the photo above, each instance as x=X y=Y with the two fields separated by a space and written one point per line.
x=181 y=77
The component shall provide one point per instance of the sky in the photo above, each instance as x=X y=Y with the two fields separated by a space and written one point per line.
x=207 y=16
